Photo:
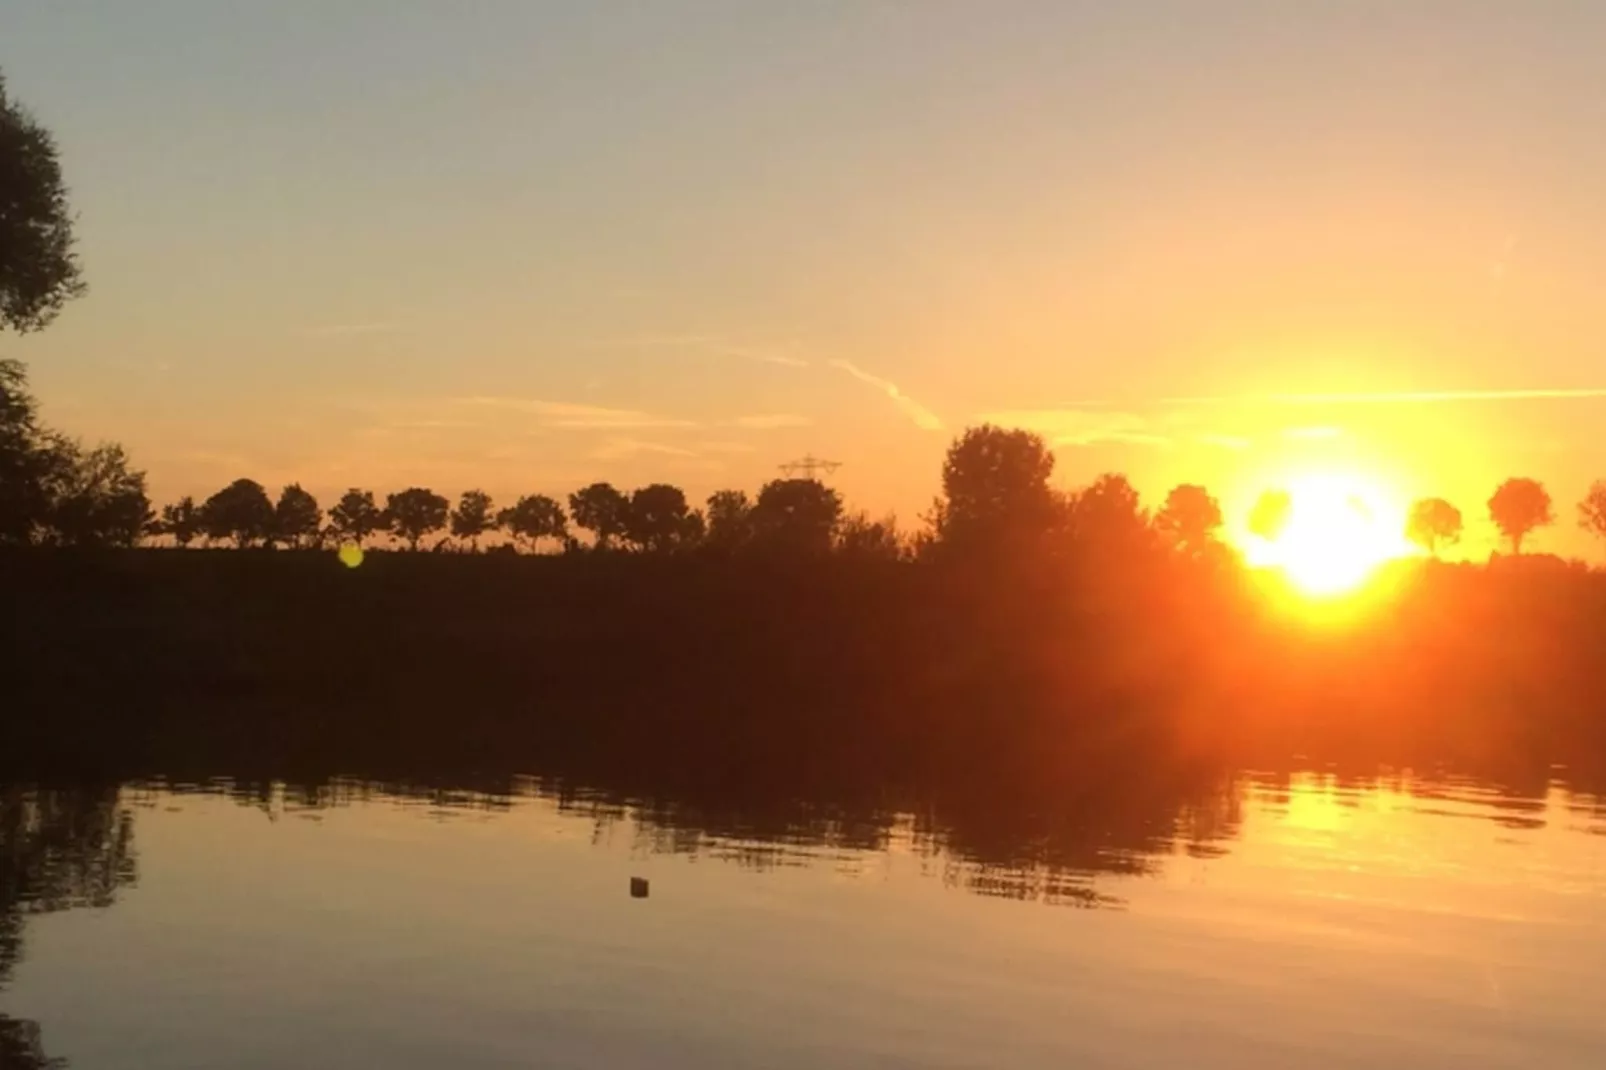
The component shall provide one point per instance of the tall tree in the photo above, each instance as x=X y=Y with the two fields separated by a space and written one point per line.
x=659 y=519
x=296 y=517
x=241 y=511
x=38 y=269
x=730 y=519
x=534 y=518
x=1433 y=524
x=416 y=512
x=1107 y=515
x=473 y=517
x=601 y=510
x=1519 y=507
x=28 y=462
x=181 y=520
x=797 y=516
x=1190 y=519
x=357 y=517
x=995 y=492
x=99 y=499
x=1270 y=515
x=1592 y=510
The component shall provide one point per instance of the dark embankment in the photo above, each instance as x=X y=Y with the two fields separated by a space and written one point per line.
x=138 y=661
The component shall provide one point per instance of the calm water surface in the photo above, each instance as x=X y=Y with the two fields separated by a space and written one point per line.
x=1258 y=922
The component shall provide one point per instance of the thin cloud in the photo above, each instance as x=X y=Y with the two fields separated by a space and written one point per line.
x=1226 y=442
x=726 y=447
x=622 y=448
x=562 y=415
x=1399 y=397
x=1081 y=427
x=772 y=421
x=337 y=330
x=1312 y=434
x=923 y=417
x=706 y=343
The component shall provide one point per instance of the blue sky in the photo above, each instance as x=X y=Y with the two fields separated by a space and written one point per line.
x=526 y=245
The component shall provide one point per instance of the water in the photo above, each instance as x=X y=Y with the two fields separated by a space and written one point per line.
x=1248 y=921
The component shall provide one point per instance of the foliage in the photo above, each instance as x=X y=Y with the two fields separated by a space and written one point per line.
x=181 y=521
x=796 y=516
x=1107 y=516
x=857 y=536
x=357 y=517
x=240 y=511
x=995 y=492
x=98 y=499
x=1190 y=520
x=38 y=270
x=1433 y=524
x=534 y=518
x=601 y=510
x=1270 y=515
x=1592 y=510
x=730 y=519
x=474 y=516
x=658 y=518
x=415 y=513
x=297 y=518
x=1518 y=508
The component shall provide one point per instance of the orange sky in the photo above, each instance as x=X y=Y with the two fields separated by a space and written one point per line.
x=1232 y=243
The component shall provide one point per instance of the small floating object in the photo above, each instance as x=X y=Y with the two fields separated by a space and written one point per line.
x=638 y=887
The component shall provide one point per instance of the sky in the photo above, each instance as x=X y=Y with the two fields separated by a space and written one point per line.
x=527 y=245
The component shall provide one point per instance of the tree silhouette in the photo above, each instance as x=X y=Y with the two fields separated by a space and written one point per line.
x=1107 y=515
x=98 y=499
x=1518 y=507
x=416 y=512
x=857 y=536
x=181 y=520
x=1592 y=510
x=357 y=517
x=1433 y=523
x=240 y=511
x=995 y=491
x=796 y=516
x=1271 y=513
x=296 y=517
x=473 y=517
x=730 y=519
x=658 y=518
x=38 y=269
x=534 y=518
x=1190 y=519
x=601 y=510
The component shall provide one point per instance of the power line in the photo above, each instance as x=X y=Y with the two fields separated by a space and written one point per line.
x=809 y=467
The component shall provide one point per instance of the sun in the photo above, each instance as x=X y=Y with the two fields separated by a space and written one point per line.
x=1339 y=531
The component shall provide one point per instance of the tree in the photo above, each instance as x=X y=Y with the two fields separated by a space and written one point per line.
x=296 y=517
x=601 y=510
x=995 y=491
x=1433 y=523
x=859 y=537
x=796 y=516
x=357 y=516
x=1592 y=510
x=241 y=511
x=416 y=512
x=1518 y=507
x=98 y=499
x=658 y=518
x=181 y=520
x=534 y=518
x=1107 y=515
x=27 y=460
x=1271 y=513
x=473 y=517
x=38 y=269
x=730 y=519
x=1190 y=518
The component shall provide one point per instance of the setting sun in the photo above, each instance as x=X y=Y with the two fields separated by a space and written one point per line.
x=1336 y=533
